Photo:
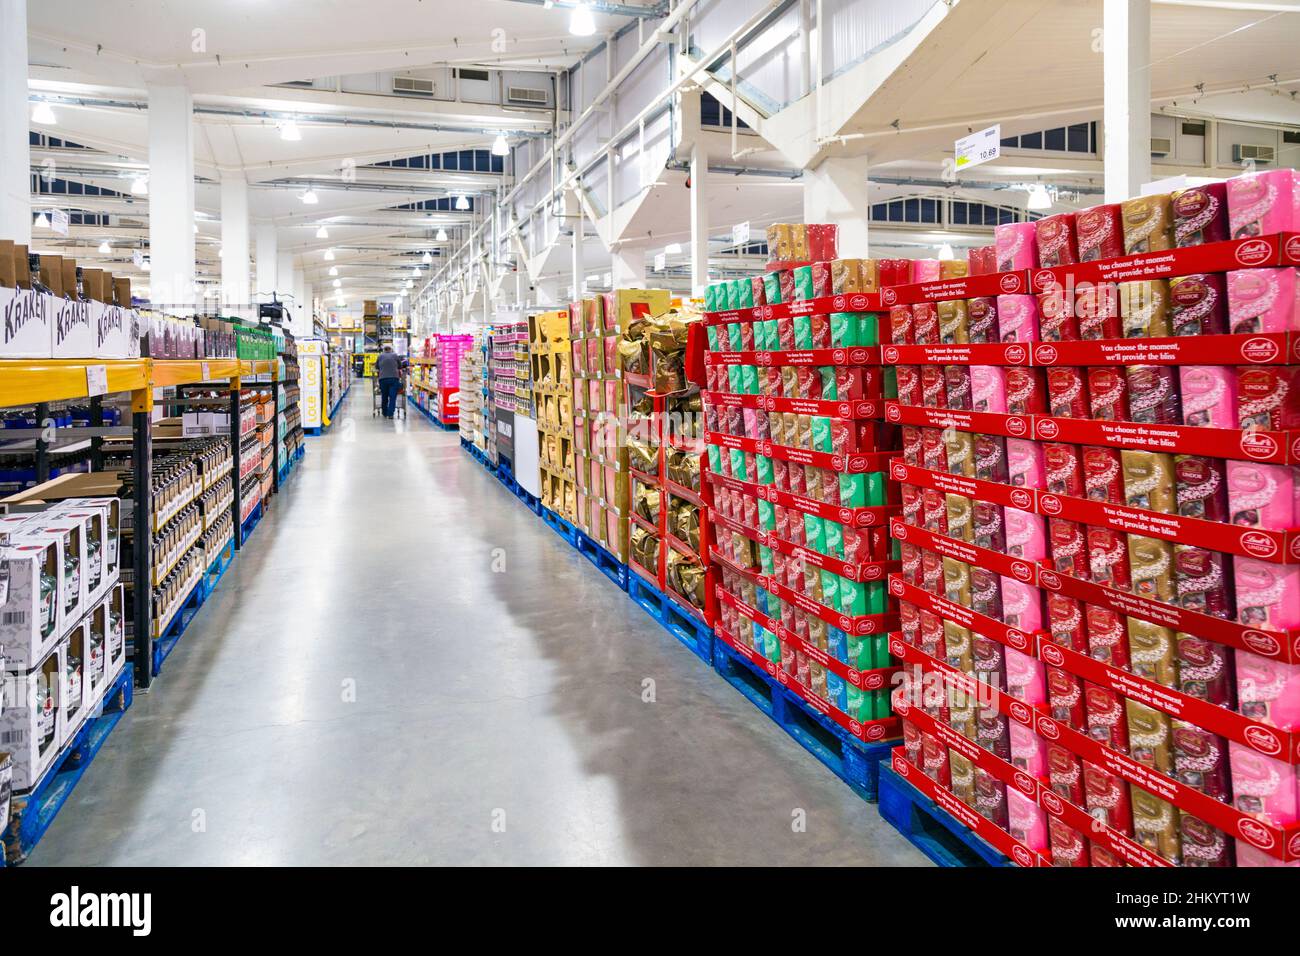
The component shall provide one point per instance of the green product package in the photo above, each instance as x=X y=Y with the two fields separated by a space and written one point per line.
x=750 y=379
x=830 y=391
x=711 y=297
x=731 y=295
x=803 y=331
x=765 y=335
x=812 y=529
x=859 y=708
x=853 y=491
x=773 y=336
x=880 y=651
x=853 y=598
x=821 y=434
x=763 y=467
x=889 y=383
x=766 y=513
x=733 y=336
x=745 y=293
x=869 y=329
x=830 y=589
x=875 y=484
x=880 y=704
x=738 y=464
x=733 y=379
x=712 y=332
x=765 y=559
x=859 y=656
x=715 y=460
x=772 y=287
x=844 y=329
x=877 y=594
x=803 y=283
x=772 y=646
x=833 y=535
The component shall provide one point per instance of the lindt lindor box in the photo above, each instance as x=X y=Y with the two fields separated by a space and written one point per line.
x=1200 y=760
x=1153 y=395
x=1205 y=670
x=1200 y=214
x=1102 y=476
x=1155 y=825
x=1198 y=304
x=1144 y=308
x=1096 y=305
x=1148 y=480
x=1099 y=232
x=1209 y=396
x=1149 y=740
x=1148 y=224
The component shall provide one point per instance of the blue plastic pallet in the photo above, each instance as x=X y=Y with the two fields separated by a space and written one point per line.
x=854 y=761
x=610 y=566
x=32 y=813
x=930 y=828
x=561 y=526
x=675 y=619
x=433 y=419
x=251 y=522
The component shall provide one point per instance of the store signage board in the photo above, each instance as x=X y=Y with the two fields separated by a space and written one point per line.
x=96 y=380
x=59 y=221
x=978 y=148
x=740 y=233
x=661 y=262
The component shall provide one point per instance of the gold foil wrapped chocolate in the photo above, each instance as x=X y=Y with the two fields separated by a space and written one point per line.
x=1149 y=741
x=1153 y=652
x=954 y=323
x=957 y=647
x=960 y=449
x=1148 y=224
x=1155 y=824
x=1151 y=567
x=1144 y=308
x=960 y=523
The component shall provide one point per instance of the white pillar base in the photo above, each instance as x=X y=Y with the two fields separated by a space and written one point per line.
x=836 y=192
x=699 y=219
x=1126 y=61
x=627 y=267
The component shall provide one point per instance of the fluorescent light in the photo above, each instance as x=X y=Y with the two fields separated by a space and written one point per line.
x=441 y=236
x=415 y=271
x=289 y=131
x=426 y=258
x=334 y=270
x=1038 y=197
x=329 y=254
x=322 y=233
x=945 y=251
x=338 y=283
x=140 y=186
x=499 y=145
x=462 y=203
x=42 y=221
x=581 y=22
x=105 y=248
x=44 y=115
x=309 y=197
x=673 y=249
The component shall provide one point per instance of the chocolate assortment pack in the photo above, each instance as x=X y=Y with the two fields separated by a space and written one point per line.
x=1099 y=503
x=1095 y=610
x=798 y=451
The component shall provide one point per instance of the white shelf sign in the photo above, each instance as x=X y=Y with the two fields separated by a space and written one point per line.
x=661 y=260
x=740 y=233
x=977 y=148
x=96 y=380
x=207 y=375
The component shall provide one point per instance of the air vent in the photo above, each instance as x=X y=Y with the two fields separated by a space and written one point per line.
x=1193 y=128
x=482 y=76
x=1161 y=146
x=412 y=86
x=526 y=96
x=1244 y=152
x=1291 y=136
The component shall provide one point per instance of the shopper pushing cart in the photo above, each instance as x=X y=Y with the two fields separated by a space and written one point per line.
x=388 y=380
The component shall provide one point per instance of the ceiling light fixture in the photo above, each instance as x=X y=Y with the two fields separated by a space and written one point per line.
x=338 y=283
x=309 y=197
x=289 y=131
x=581 y=22
x=499 y=145
x=42 y=221
x=44 y=115
x=334 y=270
x=462 y=203
x=322 y=233
x=1039 y=197
x=329 y=254
x=105 y=248
x=426 y=258
x=441 y=236
x=140 y=186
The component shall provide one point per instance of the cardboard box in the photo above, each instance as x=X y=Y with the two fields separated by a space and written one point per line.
x=93 y=285
x=29 y=619
x=122 y=292
x=7 y=274
x=76 y=691
x=109 y=510
x=22 y=268
x=102 y=542
x=71 y=533
x=117 y=331
x=95 y=665
x=52 y=274
x=74 y=332
x=31 y=727
x=70 y=284
x=26 y=323
x=114 y=606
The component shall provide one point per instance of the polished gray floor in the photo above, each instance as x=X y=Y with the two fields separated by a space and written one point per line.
x=405 y=666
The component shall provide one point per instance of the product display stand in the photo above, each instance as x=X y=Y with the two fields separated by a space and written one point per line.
x=553 y=397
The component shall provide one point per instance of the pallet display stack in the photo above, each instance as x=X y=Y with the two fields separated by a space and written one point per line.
x=552 y=375
x=1101 y=561
x=473 y=420
x=798 y=457
x=596 y=327
x=664 y=425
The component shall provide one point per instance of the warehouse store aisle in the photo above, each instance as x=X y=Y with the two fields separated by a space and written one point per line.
x=406 y=666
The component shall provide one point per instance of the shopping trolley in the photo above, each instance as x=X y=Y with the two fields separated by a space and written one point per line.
x=377 y=397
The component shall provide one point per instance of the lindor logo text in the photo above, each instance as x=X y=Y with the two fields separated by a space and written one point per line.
x=76 y=909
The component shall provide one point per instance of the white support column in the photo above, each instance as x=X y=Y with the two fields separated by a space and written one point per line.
x=299 y=296
x=627 y=266
x=171 y=198
x=234 y=244
x=699 y=219
x=268 y=260
x=547 y=291
x=15 y=151
x=1126 y=71
x=836 y=191
x=284 y=276
x=576 y=247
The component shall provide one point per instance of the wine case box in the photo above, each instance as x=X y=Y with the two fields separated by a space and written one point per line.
x=31 y=727
x=77 y=696
x=29 y=619
x=73 y=531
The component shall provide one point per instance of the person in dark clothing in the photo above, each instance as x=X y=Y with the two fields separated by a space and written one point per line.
x=388 y=369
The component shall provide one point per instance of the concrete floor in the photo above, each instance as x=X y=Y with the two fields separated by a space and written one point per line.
x=365 y=688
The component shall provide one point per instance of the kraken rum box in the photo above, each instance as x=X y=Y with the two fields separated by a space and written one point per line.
x=74 y=330
x=31 y=727
x=26 y=324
